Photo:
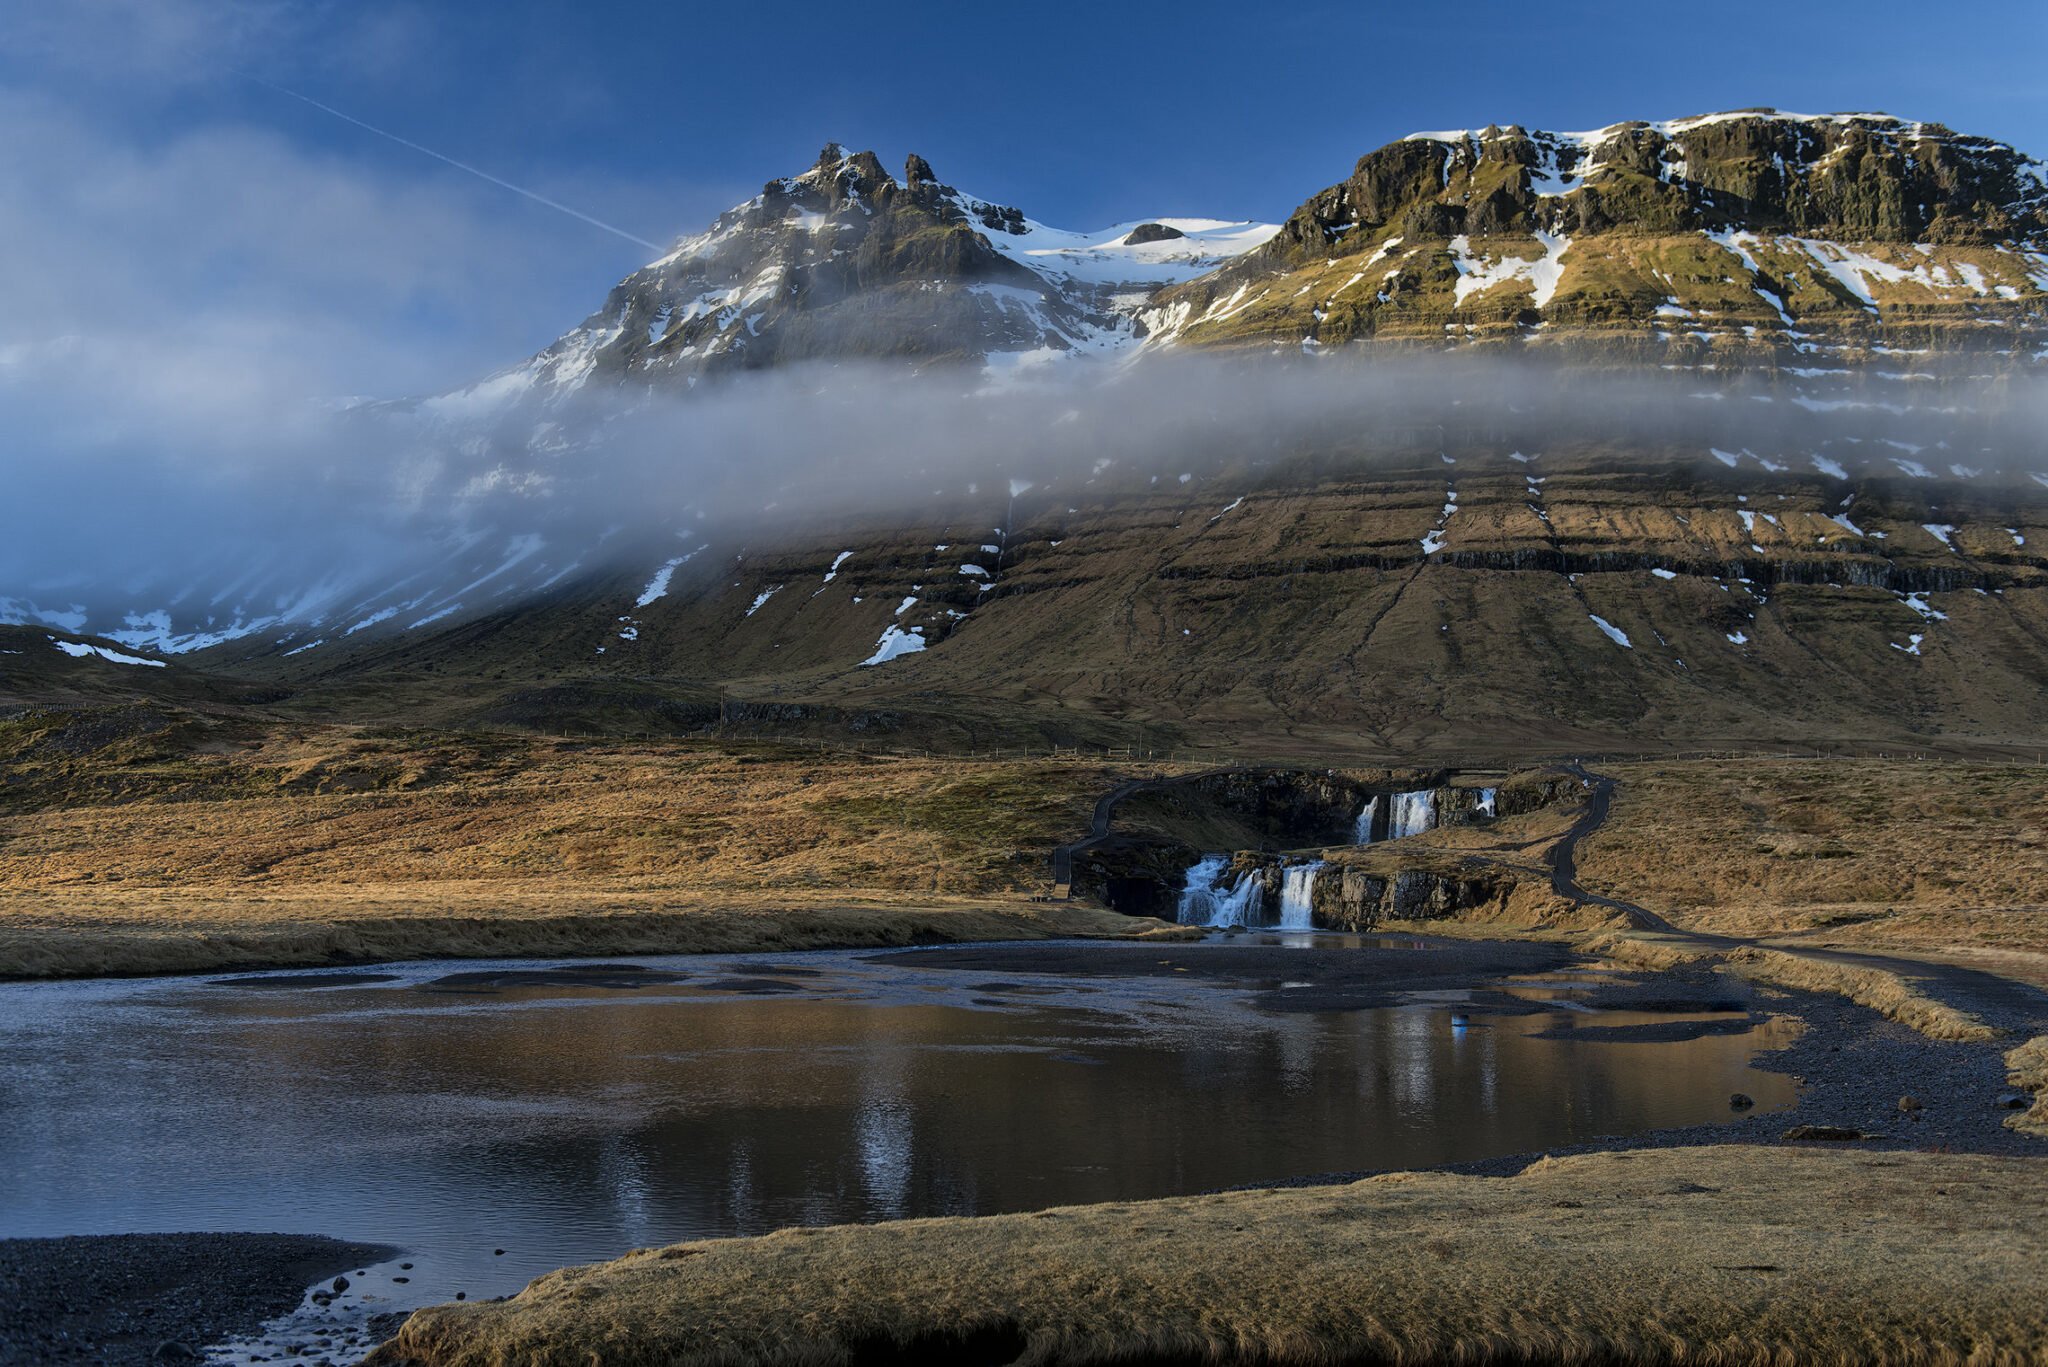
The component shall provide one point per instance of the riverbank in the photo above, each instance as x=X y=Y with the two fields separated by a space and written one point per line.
x=130 y=1299
x=159 y=931
x=1726 y=1254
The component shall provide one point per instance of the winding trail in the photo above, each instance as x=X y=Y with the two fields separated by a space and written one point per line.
x=2002 y=1002
x=1564 y=866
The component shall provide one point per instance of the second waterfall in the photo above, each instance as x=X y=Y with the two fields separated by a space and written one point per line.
x=1297 y=896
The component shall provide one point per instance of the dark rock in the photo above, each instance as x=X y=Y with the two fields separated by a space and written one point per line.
x=341 y=1284
x=1741 y=1102
x=1825 y=1133
x=2014 y=1101
x=1909 y=1103
x=172 y=1351
x=1151 y=232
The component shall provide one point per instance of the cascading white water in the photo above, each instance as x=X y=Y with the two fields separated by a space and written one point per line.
x=1241 y=905
x=1198 y=893
x=1361 y=830
x=1412 y=813
x=1486 y=801
x=1297 y=896
x=1204 y=903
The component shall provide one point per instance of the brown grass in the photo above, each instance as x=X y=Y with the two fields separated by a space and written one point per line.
x=1642 y=950
x=2029 y=1069
x=328 y=805
x=128 y=846
x=1884 y=992
x=1722 y=1255
x=1912 y=855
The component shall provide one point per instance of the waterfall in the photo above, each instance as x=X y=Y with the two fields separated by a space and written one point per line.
x=1361 y=831
x=1486 y=806
x=1412 y=813
x=1198 y=893
x=1241 y=906
x=1204 y=903
x=1297 y=896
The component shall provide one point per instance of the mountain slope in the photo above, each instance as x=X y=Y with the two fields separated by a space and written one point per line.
x=1469 y=596
x=1746 y=238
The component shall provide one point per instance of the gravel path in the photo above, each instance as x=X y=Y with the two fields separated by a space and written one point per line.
x=121 y=1299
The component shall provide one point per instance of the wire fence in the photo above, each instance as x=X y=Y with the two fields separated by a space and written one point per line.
x=1280 y=759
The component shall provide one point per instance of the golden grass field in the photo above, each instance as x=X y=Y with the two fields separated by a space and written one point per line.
x=1945 y=859
x=138 y=841
x=171 y=852
x=1722 y=1255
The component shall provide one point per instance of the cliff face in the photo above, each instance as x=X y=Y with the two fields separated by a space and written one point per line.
x=1753 y=238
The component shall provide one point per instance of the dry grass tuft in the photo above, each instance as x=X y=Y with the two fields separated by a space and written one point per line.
x=1724 y=1255
x=1642 y=950
x=1884 y=992
x=2028 y=1067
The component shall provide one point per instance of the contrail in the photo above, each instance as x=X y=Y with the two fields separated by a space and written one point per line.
x=458 y=165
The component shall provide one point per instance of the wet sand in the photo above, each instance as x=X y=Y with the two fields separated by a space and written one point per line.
x=123 y=1299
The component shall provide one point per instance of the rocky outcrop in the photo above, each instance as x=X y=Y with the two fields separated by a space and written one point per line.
x=1298 y=808
x=1151 y=232
x=1350 y=898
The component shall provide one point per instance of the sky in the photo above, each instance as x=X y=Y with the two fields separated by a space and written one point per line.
x=164 y=208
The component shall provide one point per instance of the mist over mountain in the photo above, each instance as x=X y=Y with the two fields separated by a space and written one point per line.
x=1843 y=314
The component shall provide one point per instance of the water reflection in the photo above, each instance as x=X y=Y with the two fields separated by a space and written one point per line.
x=565 y=1121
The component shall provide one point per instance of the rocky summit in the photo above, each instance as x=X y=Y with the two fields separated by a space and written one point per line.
x=846 y=262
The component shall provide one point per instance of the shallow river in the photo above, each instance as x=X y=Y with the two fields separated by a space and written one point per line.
x=566 y=1113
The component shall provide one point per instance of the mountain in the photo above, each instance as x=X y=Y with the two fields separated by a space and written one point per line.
x=1751 y=238
x=1796 y=541
x=845 y=262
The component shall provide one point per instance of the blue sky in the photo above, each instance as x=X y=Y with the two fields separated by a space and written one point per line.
x=149 y=184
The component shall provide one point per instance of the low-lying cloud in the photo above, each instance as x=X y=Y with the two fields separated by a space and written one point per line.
x=235 y=483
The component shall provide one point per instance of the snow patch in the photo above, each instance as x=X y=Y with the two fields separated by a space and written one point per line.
x=1613 y=632
x=657 y=587
x=79 y=650
x=896 y=641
